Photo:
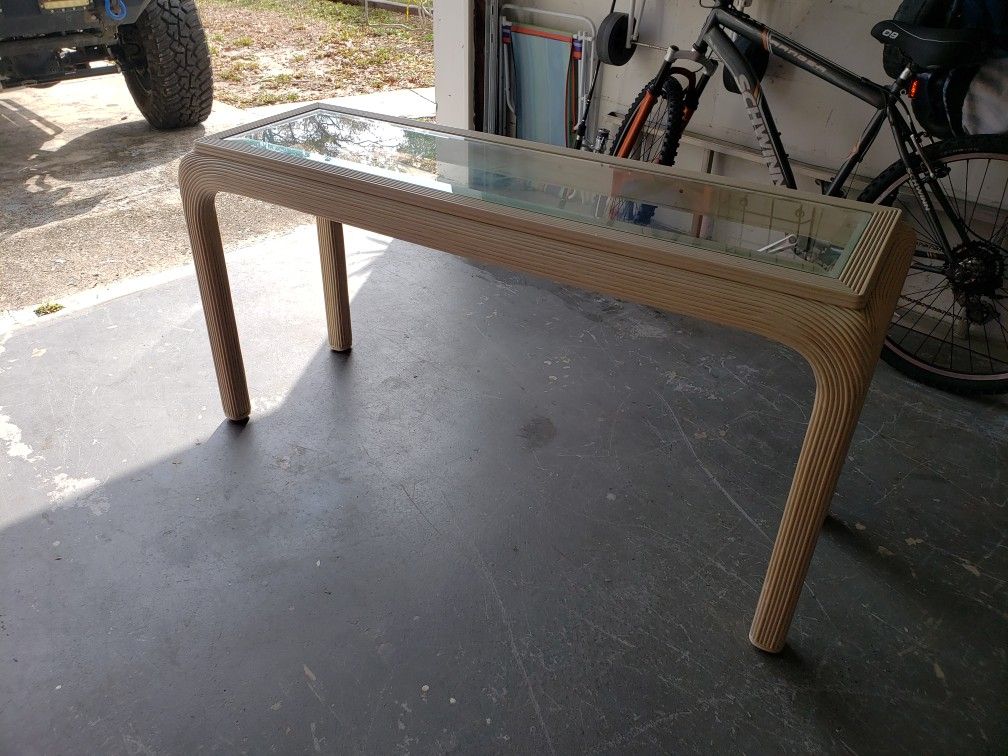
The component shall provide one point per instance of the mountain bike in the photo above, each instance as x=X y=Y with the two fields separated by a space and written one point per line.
x=950 y=327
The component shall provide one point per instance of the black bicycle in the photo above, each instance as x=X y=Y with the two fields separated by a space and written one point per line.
x=950 y=328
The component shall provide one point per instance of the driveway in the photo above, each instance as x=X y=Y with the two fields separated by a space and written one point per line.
x=89 y=194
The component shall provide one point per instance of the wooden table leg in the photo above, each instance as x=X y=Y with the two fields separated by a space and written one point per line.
x=334 y=283
x=843 y=349
x=841 y=385
x=215 y=290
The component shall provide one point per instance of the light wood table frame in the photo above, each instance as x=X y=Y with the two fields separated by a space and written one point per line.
x=837 y=324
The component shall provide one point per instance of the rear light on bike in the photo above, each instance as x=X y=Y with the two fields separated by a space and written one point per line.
x=914 y=87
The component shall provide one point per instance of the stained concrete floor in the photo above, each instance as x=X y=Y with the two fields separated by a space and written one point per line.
x=517 y=518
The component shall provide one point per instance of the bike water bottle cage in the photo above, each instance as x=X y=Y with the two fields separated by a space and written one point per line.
x=931 y=48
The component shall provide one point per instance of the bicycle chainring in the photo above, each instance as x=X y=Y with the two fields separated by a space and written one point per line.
x=977 y=267
x=976 y=273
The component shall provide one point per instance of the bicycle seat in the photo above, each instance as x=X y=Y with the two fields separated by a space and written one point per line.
x=929 y=47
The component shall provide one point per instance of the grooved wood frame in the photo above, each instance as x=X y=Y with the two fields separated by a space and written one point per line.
x=836 y=324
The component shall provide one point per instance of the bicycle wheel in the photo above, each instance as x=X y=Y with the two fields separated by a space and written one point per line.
x=654 y=140
x=950 y=328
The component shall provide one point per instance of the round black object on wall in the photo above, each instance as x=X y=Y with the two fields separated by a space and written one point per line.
x=612 y=35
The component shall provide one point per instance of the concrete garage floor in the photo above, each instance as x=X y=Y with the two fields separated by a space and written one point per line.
x=517 y=518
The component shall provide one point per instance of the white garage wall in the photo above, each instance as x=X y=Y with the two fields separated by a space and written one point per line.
x=819 y=123
x=453 y=62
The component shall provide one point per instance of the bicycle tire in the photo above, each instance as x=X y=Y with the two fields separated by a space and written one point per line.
x=953 y=154
x=664 y=124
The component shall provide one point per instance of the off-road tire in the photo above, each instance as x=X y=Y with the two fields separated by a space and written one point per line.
x=166 y=64
x=669 y=128
x=668 y=144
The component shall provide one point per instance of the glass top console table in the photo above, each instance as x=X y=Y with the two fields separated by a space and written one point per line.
x=817 y=274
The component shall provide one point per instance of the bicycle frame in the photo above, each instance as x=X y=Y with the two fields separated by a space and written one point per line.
x=958 y=246
x=884 y=99
x=713 y=37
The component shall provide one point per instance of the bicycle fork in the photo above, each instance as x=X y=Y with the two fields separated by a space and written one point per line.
x=969 y=278
x=628 y=138
x=924 y=180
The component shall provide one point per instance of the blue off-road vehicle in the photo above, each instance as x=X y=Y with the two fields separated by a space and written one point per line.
x=158 y=45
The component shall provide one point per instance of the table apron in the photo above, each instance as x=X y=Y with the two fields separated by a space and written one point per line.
x=799 y=323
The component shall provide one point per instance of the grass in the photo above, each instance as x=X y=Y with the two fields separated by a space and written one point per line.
x=236 y=69
x=276 y=51
x=48 y=308
x=270 y=98
x=335 y=13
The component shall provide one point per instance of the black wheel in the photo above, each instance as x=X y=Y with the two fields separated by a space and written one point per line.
x=657 y=142
x=166 y=63
x=950 y=328
x=612 y=36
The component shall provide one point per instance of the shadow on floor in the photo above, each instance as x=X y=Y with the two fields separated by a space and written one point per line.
x=22 y=133
x=39 y=180
x=116 y=150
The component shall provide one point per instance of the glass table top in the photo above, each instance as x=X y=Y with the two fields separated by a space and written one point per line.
x=796 y=232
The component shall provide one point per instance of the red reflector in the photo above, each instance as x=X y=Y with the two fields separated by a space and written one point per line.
x=914 y=86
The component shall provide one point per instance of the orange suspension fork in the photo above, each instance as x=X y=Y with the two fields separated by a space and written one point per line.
x=634 y=129
x=647 y=103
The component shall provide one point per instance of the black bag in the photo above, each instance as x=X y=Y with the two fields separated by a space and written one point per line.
x=937 y=99
x=943 y=14
x=964 y=100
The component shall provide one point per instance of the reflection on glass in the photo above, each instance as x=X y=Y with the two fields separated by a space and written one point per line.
x=795 y=232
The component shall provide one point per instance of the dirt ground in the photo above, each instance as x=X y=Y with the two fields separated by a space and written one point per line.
x=89 y=195
x=267 y=52
x=88 y=191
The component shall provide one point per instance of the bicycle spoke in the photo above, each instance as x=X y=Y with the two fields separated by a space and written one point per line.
x=979 y=191
x=921 y=292
x=917 y=269
x=955 y=199
x=1004 y=334
x=998 y=235
x=997 y=217
x=966 y=186
x=925 y=308
x=969 y=352
x=990 y=354
x=926 y=291
x=990 y=357
x=658 y=117
x=922 y=228
x=959 y=211
x=950 y=330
